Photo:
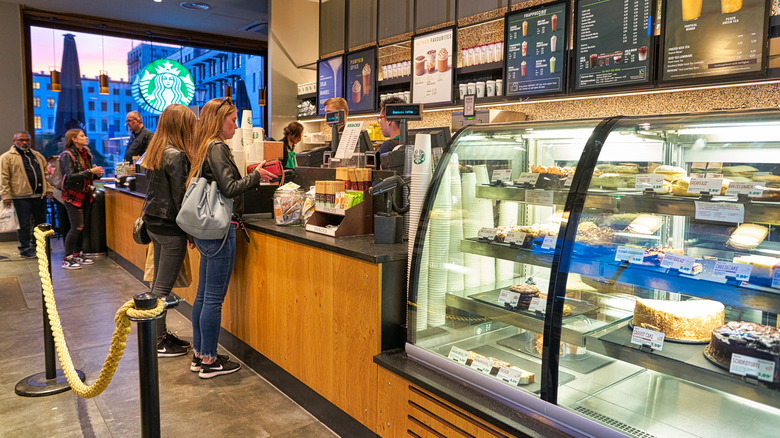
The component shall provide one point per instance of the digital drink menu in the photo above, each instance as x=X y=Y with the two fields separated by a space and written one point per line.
x=330 y=79
x=361 y=80
x=432 y=67
x=534 y=50
x=613 y=43
x=713 y=38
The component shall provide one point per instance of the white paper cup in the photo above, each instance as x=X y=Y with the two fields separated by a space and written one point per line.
x=490 y=88
x=257 y=134
x=499 y=87
x=246 y=119
x=480 y=89
x=463 y=89
x=471 y=87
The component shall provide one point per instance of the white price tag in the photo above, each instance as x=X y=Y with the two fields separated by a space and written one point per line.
x=507 y=296
x=502 y=174
x=538 y=305
x=509 y=375
x=709 y=185
x=487 y=233
x=720 y=212
x=568 y=180
x=713 y=175
x=643 y=336
x=482 y=364
x=459 y=355
x=751 y=366
x=633 y=255
x=549 y=242
x=776 y=278
x=753 y=190
x=739 y=271
x=517 y=237
x=761 y=173
x=682 y=263
x=650 y=181
x=527 y=177
x=539 y=197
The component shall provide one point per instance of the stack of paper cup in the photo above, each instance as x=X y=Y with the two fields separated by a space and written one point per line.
x=507 y=216
x=484 y=211
x=470 y=229
x=455 y=269
x=257 y=134
x=239 y=151
x=421 y=179
x=246 y=119
x=422 y=287
x=439 y=232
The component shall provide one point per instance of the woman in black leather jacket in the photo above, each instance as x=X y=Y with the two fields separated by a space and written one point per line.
x=217 y=123
x=77 y=176
x=166 y=158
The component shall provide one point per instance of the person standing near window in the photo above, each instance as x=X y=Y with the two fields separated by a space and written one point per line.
x=168 y=166
x=139 y=136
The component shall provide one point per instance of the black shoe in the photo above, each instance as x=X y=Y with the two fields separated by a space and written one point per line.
x=173 y=339
x=220 y=366
x=29 y=254
x=196 y=361
x=167 y=348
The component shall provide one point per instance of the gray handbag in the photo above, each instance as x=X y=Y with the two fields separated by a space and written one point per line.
x=205 y=213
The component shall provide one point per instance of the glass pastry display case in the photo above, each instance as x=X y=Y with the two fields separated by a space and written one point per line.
x=621 y=276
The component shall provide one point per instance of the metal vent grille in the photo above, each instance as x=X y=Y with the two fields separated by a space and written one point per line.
x=619 y=425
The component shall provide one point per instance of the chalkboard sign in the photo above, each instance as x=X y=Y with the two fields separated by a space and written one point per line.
x=330 y=80
x=613 y=43
x=361 y=80
x=703 y=39
x=535 y=47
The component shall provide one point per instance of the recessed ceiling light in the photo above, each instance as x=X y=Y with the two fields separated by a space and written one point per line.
x=195 y=6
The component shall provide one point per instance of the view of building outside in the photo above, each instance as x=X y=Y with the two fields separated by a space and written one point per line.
x=204 y=76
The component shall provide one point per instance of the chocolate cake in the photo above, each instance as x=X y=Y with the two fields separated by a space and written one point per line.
x=748 y=339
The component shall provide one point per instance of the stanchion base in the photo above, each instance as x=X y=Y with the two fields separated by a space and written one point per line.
x=39 y=386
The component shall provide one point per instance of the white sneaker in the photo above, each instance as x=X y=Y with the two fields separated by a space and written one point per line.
x=82 y=260
x=70 y=263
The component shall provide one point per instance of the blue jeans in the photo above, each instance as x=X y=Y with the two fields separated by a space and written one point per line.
x=214 y=277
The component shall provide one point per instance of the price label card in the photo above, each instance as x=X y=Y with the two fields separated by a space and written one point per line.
x=739 y=271
x=709 y=185
x=538 y=305
x=459 y=355
x=568 y=180
x=682 y=263
x=720 y=212
x=502 y=174
x=487 y=233
x=753 y=190
x=713 y=175
x=482 y=364
x=715 y=165
x=750 y=366
x=643 y=336
x=527 y=177
x=509 y=375
x=630 y=253
x=761 y=173
x=539 y=197
x=699 y=165
x=549 y=242
x=507 y=296
x=650 y=181
x=776 y=279
x=517 y=237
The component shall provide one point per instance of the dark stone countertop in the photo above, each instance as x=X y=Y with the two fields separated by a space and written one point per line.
x=124 y=190
x=467 y=398
x=359 y=247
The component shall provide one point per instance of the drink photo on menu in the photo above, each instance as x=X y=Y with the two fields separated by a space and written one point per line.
x=361 y=80
x=432 y=55
x=710 y=39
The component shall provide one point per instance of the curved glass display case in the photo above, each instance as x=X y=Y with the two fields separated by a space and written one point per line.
x=622 y=276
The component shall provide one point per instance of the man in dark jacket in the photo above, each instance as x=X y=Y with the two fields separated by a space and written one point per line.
x=139 y=138
x=23 y=183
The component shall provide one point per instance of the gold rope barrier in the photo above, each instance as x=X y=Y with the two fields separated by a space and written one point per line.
x=118 y=344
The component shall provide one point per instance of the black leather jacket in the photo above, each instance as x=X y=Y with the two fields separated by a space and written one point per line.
x=220 y=167
x=167 y=185
x=77 y=178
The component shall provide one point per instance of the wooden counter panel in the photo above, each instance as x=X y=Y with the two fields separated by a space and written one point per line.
x=121 y=212
x=314 y=313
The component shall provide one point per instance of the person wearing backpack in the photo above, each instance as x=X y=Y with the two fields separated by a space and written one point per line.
x=78 y=172
x=217 y=123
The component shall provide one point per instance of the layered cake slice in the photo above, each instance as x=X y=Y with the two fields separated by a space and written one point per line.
x=691 y=321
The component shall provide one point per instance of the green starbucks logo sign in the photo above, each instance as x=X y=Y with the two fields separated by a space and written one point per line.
x=419 y=156
x=162 y=83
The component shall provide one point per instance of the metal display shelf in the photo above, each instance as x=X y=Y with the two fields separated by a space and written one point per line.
x=684 y=361
x=505 y=252
x=766 y=212
x=606 y=201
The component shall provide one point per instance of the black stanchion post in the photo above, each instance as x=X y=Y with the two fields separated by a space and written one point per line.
x=147 y=367
x=52 y=381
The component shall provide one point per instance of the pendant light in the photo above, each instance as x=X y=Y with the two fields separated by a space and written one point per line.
x=54 y=72
x=228 y=92
x=261 y=97
x=103 y=78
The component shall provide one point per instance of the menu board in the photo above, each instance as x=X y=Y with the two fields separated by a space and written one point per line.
x=534 y=50
x=432 y=59
x=361 y=80
x=708 y=38
x=330 y=79
x=613 y=43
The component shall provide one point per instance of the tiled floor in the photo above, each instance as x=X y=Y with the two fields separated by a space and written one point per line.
x=237 y=405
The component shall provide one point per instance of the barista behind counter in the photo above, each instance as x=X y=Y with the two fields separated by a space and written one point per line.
x=314 y=157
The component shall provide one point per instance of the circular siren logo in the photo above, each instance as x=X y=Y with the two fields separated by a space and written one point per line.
x=162 y=83
x=419 y=156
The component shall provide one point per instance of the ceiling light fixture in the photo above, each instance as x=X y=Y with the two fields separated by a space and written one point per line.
x=54 y=72
x=195 y=6
x=103 y=77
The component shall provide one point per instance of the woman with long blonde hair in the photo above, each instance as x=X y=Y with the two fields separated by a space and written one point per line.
x=213 y=159
x=169 y=165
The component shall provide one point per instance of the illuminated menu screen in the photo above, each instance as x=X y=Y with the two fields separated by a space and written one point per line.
x=330 y=76
x=535 y=46
x=361 y=84
x=709 y=38
x=613 y=43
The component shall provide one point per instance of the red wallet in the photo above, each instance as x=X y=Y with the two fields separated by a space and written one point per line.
x=274 y=166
